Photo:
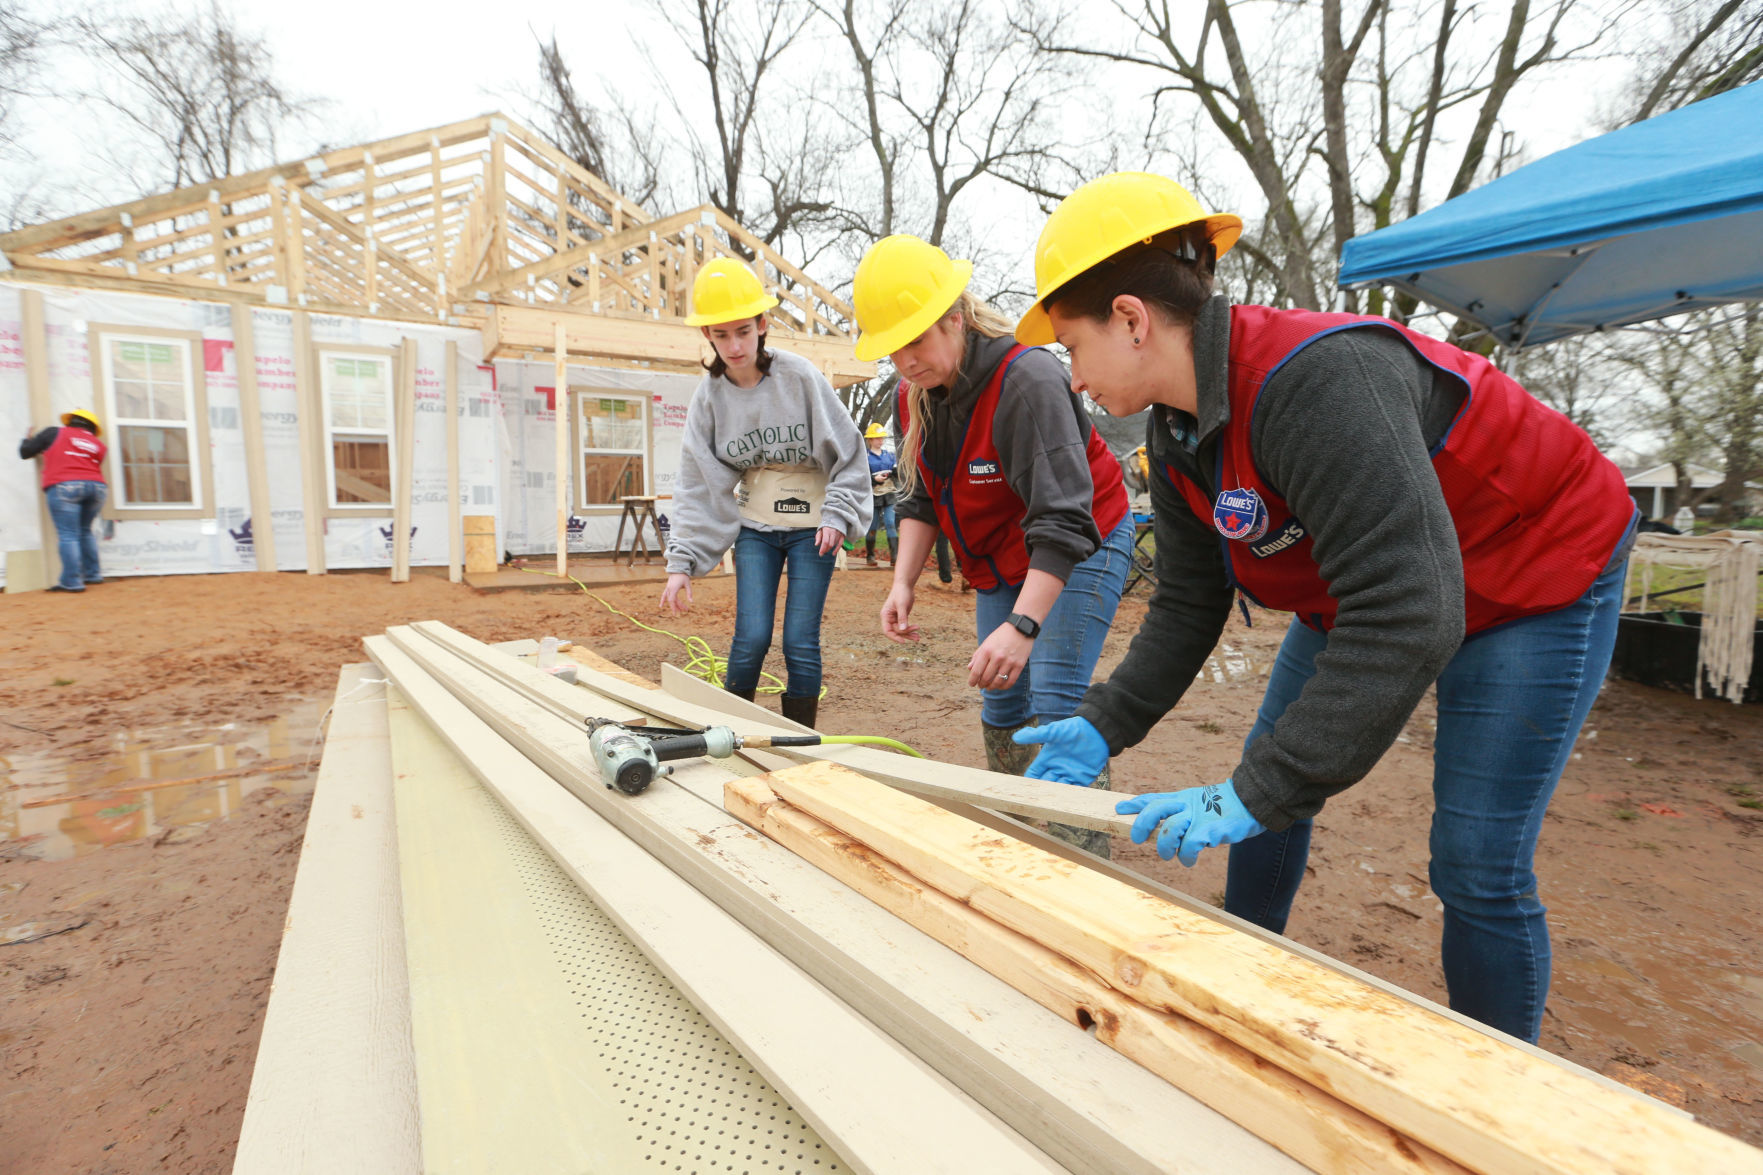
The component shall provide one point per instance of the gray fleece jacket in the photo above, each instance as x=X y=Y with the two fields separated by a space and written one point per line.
x=1041 y=432
x=1344 y=432
x=792 y=417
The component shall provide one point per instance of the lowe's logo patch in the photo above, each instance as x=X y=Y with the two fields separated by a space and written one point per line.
x=1284 y=539
x=981 y=468
x=791 y=506
x=1240 y=514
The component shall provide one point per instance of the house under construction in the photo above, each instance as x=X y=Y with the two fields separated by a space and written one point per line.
x=329 y=363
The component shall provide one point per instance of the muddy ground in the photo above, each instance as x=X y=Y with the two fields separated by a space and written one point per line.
x=127 y=1034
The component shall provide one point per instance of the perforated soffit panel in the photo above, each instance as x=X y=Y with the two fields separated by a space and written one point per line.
x=690 y=1096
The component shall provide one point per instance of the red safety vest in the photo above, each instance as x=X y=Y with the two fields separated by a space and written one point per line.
x=1538 y=510
x=74 y=455
x=976 y=506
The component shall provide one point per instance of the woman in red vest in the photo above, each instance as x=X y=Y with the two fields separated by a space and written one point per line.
x=73 y=481
x=1000 y=456
x=1425 y=519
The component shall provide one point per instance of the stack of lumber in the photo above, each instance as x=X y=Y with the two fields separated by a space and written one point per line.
x=916 y=979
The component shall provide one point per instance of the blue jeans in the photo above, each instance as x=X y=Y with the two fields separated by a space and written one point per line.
x=74 y=506
x=1511 y=703
x=760 y=556
x=884 y=520
x=1065 y=653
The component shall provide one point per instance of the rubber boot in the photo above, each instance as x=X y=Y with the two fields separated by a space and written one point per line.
x=869 y=553
x=1004 y=756
x=743 y=693
x=1089 y=840
x=801 y=710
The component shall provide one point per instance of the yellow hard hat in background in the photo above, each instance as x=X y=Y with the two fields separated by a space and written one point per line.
x=85 y=414
x=874 y=431
x=727 y=291
x=1104 y=217
x=902 y=286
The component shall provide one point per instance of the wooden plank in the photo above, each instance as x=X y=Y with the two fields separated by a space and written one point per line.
x=1032 y=798
x=560 y=417
x=506 y=1074
x=455 y=572
x=877 y=1104
x=1316 y=1129
x=1463 y=1093
x=531 y=328
x=312 y=457
x=1076 y=1099
x=251 y=422
x=333 y=1089
x=687 y=688
x=35 y=345
x=566 y=701
x=405 y=465
x=582 y=655
x=72 y=230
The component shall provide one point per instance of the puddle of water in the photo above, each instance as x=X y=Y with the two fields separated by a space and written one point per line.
x=51 y=808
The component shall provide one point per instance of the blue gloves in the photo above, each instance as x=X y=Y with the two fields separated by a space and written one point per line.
x=1194 y=818
x=1072 y=751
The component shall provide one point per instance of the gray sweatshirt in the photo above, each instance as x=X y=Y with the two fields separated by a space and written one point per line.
x=792 y=417
x=1343 y=431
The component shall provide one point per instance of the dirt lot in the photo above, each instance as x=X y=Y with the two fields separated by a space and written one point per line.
x=127 y=1038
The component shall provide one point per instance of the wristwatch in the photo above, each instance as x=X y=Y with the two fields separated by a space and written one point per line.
x=1028 y=628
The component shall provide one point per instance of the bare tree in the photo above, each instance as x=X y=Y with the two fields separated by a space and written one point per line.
x=625 y=153
x=201 y=91
x=946 y=102
x=738 y=46
x=1298 y=93
x=21 y=43
x=1717 y=45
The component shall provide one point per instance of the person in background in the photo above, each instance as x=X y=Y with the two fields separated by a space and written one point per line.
x=73 y=482
x=1428 y=522
x=767 y=424
x=1000 y=456
x=881 y=475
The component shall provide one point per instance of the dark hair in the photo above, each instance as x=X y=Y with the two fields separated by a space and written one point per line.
x=1171 y=273
x=718 y=368
x=82 y=422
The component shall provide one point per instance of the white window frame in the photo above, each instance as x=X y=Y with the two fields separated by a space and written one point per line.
x=579 y=398
x=114 y=423
x=325 y=373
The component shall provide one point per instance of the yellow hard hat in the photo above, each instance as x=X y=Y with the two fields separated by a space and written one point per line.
x=903 y=285
x=727 y=291
x=1104 y=217
x=85 y=414
x=874 y=431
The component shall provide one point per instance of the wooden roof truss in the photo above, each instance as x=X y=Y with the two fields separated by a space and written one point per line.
x=458 y=222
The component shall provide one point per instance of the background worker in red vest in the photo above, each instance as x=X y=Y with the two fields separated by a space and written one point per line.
x=999 y=455
x=1424 y=517
x=73 y=480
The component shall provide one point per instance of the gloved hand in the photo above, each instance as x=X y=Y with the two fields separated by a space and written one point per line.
x=1194 y=818
x=1072 y=751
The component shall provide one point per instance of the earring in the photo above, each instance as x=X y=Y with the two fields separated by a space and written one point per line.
x=1135 y=342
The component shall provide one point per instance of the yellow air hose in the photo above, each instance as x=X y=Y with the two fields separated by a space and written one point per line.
x=706 y=665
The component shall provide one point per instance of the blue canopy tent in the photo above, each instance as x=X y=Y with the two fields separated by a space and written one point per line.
x=1656 y=218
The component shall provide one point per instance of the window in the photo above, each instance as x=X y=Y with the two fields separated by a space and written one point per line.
x=154 y=394
x=357 y=394
x=613 y=432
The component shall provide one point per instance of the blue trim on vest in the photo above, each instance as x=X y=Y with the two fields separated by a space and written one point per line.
x=1393 y=328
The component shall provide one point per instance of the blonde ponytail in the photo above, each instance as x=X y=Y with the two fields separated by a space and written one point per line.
x=977 y=317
